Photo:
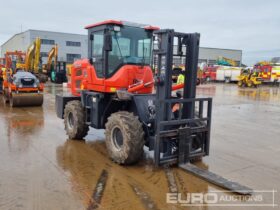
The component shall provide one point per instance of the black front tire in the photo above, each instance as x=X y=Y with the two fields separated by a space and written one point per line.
x=75 y=120
x=124 y=138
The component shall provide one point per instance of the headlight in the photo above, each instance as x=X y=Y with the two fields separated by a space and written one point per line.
x=20 y=85
x=35 y=85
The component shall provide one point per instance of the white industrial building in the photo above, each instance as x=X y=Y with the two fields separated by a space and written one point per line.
x=70 y=46
x=209 y=55
x=74 y=46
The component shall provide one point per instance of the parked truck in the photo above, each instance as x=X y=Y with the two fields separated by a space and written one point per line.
x=228 y=73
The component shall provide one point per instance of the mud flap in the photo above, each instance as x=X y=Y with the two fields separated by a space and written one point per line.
x=216 y=179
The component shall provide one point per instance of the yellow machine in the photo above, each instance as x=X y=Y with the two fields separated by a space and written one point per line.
x=247 y=79
x=32 y=60
x=68 y=69
x=30 y=54
x=53 y=54
x=55 y=69
x=226 y=61
x=36 y=64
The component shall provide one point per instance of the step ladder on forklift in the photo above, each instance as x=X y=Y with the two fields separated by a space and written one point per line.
x=190 y=129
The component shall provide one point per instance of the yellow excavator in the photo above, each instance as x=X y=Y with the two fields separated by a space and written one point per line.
x=55 y=69
x=32 y=60
x=53 y=54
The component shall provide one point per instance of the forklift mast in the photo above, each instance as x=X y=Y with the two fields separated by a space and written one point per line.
x=192 y=126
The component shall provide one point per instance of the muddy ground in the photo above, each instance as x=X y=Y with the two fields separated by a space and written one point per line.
x=41 y=169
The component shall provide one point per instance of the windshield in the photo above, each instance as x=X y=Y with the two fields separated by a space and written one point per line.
x=130 y=45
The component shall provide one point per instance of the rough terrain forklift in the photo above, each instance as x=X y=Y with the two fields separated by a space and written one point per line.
x=113 y=90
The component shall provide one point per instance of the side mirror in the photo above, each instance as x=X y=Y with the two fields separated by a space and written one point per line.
x=108 y=42
x=179 y=48
x=91 y=37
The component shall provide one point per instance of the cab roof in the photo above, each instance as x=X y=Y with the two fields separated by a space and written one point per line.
x=121 y=23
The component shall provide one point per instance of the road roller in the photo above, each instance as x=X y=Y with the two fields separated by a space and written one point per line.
x=23 y=89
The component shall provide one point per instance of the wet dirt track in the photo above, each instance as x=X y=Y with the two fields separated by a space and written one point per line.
x=41 y=169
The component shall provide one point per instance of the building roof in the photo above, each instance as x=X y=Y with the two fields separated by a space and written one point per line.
x=39 y=31
x=55 y=32
x=216 y=48
x=12 y=38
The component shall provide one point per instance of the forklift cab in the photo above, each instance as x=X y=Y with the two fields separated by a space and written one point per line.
x=113 y=44
x=119 y=57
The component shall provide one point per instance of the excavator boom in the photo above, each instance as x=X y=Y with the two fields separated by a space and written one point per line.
x=32 y=60
x=226 y=61
x=37 y=55
x=53 y=53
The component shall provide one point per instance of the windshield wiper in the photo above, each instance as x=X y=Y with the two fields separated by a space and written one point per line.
x=144 y=50
x=118 y=45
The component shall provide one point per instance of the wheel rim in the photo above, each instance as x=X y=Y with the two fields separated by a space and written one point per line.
x=117 y=138
x=70 y=120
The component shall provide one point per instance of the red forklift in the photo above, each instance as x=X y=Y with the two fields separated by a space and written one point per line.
x=113 y=90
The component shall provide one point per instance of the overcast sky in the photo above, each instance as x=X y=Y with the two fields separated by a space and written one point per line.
x=250 y=25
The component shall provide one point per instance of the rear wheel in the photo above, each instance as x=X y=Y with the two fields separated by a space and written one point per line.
x=249 y=83
x=74 y=120
x=124 y=138
x=240 y=83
